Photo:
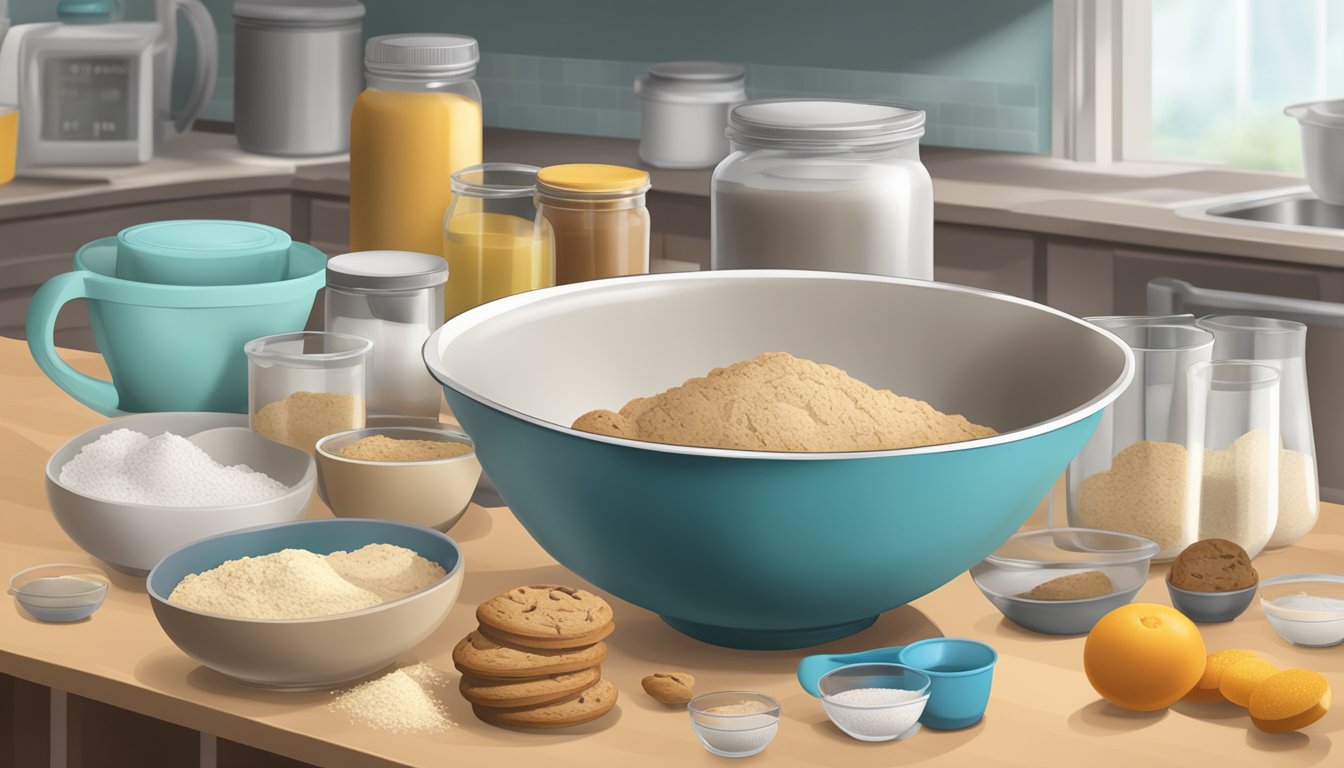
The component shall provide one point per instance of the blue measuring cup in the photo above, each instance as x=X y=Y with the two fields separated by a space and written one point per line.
x=962 y=671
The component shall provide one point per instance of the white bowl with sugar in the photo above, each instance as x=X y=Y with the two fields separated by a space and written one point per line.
x=134 y=489
x=875 y=701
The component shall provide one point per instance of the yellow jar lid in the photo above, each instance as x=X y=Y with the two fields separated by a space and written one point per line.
x=593 y=177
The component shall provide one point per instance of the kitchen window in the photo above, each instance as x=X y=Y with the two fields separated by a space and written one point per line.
x=1192 y=80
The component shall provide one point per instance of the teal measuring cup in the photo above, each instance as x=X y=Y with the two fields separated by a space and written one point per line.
x=961 y=670
x=169 y=347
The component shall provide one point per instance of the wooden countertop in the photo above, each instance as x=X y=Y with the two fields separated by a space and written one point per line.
x=1042 y=710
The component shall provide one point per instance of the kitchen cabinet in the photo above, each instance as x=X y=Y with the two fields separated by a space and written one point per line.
x=991 y=259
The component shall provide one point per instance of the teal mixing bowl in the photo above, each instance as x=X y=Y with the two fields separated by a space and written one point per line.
x=754 y=549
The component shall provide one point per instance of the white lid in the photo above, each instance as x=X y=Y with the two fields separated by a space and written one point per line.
x=824 y=121
x=386 y=270
x=693 y=81
x=299 y=12
x=1329 y=113
x=421 y=55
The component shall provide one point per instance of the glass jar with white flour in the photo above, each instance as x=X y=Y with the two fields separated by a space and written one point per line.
x=824 y=184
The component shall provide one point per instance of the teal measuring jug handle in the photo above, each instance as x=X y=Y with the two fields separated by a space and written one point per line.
x=812 y=668
x=40 y=328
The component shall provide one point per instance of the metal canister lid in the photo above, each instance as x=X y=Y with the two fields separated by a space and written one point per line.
x=386 y=271
x=419 y=55
x=299 y=13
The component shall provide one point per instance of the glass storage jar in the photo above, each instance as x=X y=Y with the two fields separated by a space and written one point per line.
x=395 y=300
x=1233 y=438
x=598 y=217
x=494 y=242
x=1130 y=476
x=417 y=122
x=304 y=386
x=823 y=184
x=1283 y=345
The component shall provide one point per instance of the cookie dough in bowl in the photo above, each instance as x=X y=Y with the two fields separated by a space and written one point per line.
x=760 y=548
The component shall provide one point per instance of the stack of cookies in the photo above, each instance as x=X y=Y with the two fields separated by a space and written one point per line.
x=535 y=660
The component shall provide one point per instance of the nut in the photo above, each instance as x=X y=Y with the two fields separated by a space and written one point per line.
x=669 y=687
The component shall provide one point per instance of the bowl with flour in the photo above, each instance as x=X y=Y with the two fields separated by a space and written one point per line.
x=134 y=489
x=263 y=605
x=799 y=543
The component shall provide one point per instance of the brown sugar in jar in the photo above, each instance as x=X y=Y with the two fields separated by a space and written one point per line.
x=598 y=216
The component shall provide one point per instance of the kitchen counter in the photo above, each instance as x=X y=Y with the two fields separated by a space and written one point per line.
x=1042 y=708
x=1135 y=203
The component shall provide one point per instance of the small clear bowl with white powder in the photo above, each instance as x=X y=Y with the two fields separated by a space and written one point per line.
x=875 y=702
x=734 y=723
x=1306 y=609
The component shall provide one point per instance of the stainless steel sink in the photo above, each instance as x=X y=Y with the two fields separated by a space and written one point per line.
x=1301 y=209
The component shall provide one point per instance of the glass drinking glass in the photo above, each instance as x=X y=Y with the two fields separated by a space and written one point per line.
x=1232 y=480
x=1281 y=344
x=1130 y=477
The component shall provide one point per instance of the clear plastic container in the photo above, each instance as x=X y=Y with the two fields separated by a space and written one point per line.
x=417 y=122
x=395 y=300
x=1130 y=477
x=823 y=184
x=734 y=723
x=1233 y=436
x=304 y=386
x=494 y=242
x=598 y=217
x=1283 y=345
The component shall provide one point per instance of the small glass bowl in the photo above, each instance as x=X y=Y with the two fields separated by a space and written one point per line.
x=1029 y=559
x=60 y=592
x=734 y=735
x=875 y=720
x=1306 y=609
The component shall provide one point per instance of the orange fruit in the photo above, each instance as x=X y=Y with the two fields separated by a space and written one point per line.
x=1241 y=678
x=1144 y=656
x=1206 y=690
x=1290 y=700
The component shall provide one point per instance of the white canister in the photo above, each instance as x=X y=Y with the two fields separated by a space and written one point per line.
x=684 y=108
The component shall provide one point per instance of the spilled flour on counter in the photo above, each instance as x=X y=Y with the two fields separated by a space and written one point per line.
x=406 y=700
x=298 y=584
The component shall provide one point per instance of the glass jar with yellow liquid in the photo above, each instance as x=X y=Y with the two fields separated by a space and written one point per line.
x=494 y=242
x=417 y=122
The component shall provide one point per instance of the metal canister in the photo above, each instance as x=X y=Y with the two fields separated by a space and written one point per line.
x=298 y=67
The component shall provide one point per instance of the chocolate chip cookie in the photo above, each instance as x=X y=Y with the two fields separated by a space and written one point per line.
x=527 y=691
x=589 y=705
x=482 y=656
x=546 y=617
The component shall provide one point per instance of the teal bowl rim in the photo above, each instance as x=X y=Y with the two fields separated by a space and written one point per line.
x=455 y=572
x=477 y=315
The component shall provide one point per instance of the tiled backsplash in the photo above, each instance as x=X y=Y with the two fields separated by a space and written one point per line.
x=596 y=97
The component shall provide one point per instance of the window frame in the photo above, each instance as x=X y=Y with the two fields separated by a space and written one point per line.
x=1101 y=102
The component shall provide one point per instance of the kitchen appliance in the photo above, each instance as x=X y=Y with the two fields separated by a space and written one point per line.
x=172 y=347
x=823 y=184
x=845 y=535
x=684 y=111
x=95 y=91
x=297 y=71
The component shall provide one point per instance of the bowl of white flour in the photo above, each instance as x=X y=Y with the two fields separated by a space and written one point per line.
x=308 y=604
x=134 y=489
